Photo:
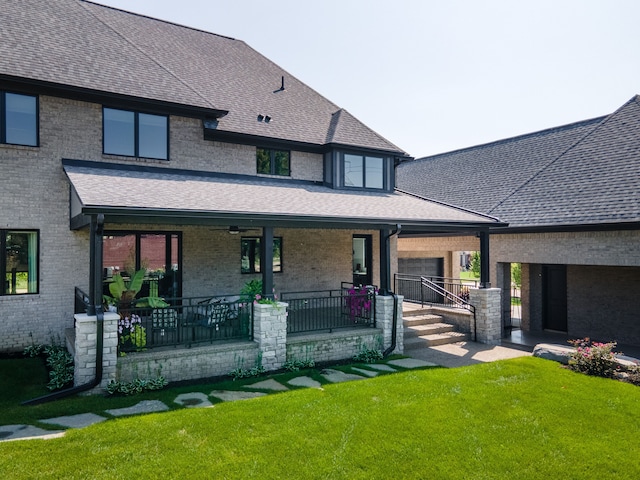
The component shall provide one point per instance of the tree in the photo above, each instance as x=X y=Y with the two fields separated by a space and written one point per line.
x=475 y=264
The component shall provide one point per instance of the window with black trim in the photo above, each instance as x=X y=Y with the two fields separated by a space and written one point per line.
x=19 y=263
x=251 y=255
x=135 y=134
x=273 y=162
x=18 y=119
x=158 y=253
x=362 y=171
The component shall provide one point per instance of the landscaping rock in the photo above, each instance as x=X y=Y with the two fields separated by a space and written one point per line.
x=146 y=406
x=368 y=373
x=193 y=400
x=336 y=376
x=304 y=382
x=550 y=351
x=233 y=395
x=75 y=421
x=411 y=363
x=22 y=432
x=270 y=384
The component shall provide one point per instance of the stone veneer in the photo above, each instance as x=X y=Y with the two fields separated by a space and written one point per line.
x=488 y=314
x=270 y=346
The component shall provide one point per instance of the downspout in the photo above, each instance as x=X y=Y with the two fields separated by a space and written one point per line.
x=394 y=323
x=97 y=229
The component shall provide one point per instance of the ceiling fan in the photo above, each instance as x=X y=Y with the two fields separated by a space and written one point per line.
x=234 y=229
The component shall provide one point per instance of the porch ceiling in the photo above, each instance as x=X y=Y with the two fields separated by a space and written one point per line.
x=125 y=193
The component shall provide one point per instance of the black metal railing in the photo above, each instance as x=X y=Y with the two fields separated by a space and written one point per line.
x=329 y=310
x=185 y=322
x=81 y=303
x=450 y=292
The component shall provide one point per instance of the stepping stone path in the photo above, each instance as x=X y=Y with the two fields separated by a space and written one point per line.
x=200 y=400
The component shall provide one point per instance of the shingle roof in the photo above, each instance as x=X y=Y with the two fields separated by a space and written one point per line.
x=90 y=46
x=583 y=173
x=144 y=190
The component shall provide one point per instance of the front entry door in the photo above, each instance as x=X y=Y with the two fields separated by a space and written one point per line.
x=554 y=297
x=362 y=255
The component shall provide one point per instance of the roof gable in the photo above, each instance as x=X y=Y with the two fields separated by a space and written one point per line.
x=84 y=45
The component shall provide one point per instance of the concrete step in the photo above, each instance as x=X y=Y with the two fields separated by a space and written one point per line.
x=424 y=319
x=413 y=343
x=430 y=329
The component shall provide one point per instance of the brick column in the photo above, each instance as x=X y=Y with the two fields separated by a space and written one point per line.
x=384 y=321
x=85 y=349
x=270 y=332
x=488 y=314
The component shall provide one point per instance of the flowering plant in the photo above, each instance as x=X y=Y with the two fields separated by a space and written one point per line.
x=593 y=358
x=359 y=300
x=131 y=331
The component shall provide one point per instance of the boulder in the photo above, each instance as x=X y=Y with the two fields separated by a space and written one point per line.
x=550 y=351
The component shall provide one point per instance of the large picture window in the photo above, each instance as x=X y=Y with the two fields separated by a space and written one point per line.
x=18 y=119
x=363 y=172
x=251 y=254
x=135 y=134
x=124 y=253
x=273 y=162
x=19 y=264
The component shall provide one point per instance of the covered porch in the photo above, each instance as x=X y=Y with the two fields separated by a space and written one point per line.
x=224 y=231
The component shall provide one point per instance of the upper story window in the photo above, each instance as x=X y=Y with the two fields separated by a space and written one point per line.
x=363 y=171
x=19 y=262
x=18 y=119
x=273 y=162
x=135 y=134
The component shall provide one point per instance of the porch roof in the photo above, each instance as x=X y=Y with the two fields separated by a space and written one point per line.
x=140 y=194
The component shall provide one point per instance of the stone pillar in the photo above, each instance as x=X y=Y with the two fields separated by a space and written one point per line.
x=384 y=321
x=270 y=332
x=86 y=348
x=487 y=302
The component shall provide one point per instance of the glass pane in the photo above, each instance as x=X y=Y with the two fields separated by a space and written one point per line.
x=282 y=163
x=373 y=174
x=263 y=157
x=250 y=255
x=119 y=132
x=22 y=263
x=277 y=254
x=118 y=256
x=353 y=171
x=152 y=140
x=21 y=125
x=153 y=258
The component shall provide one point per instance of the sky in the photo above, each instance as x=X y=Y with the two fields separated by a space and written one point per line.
x=436 y=76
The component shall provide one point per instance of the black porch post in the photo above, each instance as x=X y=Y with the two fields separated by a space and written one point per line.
x=267 y=265
x=95 y=264
x=484 y=259
x=385 y=262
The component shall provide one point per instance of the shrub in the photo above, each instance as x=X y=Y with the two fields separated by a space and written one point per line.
x=593 y=358
x=368 y=355
x=137 y=386
x=59 y=363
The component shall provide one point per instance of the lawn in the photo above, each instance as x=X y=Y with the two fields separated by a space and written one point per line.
x=521 y=418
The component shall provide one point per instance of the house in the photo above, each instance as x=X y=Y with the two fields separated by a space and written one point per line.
x=132 y=144
x=570 y=195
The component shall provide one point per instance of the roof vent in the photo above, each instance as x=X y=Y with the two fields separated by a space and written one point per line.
x=267 y=119
x=281 y=89
x=260 y=118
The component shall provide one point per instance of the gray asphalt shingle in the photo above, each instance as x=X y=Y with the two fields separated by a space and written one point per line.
x=583 y=173
x=90 y=46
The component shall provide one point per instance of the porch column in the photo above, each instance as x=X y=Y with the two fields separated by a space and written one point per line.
x=385 y=263
x=267 y=266
x=484 y=259
x=488 y=314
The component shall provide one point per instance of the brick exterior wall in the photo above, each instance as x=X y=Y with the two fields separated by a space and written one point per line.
x=35 y=195
x=603 y=267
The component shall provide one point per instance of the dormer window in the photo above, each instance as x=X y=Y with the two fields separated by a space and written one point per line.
x=135 y=134
x=353 y=170
x=363 y=171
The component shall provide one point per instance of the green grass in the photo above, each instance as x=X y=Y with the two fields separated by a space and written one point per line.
x=521 y=418
x=468 y=276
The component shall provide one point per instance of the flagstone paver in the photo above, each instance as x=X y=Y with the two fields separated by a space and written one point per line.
x=381 y=367
x=146 y=406
x=270 y=384
x=232 y=395
x=368 y=373
x=411 y=363
x=22 y=432
x=336 y=376
x=75 y=421
x=304 y=382
x=193 y=400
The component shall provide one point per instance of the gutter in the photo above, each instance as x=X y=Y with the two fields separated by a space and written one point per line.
x=97 y=301
x=394 y=323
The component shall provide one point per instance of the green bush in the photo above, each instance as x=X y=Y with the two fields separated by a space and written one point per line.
x=136 y=386
x=59 y=363
x=368 y=355
x=593 y=358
